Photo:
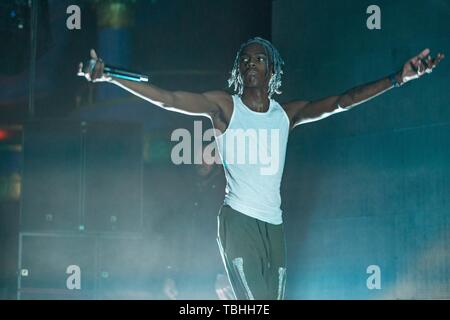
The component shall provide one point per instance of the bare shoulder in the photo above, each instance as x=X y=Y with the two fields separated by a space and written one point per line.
x=292 y=108
x=224 y=101
x=222 y=98
x=294 y=104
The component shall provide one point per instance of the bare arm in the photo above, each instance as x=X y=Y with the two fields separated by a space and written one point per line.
x=203 y=104
x=308 y=111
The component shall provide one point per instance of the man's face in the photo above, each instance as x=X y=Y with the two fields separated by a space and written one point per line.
x=253 y=64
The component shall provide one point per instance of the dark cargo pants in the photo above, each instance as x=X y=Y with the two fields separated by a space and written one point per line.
x=253 y=252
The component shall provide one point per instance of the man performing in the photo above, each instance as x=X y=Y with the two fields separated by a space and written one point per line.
x=250 y=229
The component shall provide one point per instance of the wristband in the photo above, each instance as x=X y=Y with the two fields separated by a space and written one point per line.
x=394 y=81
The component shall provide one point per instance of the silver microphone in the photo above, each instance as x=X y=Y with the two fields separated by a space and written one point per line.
x=124 y=74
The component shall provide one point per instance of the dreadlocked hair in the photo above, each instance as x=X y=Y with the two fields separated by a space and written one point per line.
x=275 y=60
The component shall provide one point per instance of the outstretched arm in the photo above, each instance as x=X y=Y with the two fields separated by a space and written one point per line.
x=204 y=104
x=308 y=111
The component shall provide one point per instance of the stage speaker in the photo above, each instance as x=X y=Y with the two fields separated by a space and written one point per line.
x=125 y=269
x=113 y=177
x=56 y=267
x=82 y=177
x=51 y=176
x=61 y=266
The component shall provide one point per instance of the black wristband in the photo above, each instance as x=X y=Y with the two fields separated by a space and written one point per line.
x=394 y=81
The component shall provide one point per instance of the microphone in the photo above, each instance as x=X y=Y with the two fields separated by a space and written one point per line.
x=124 y=74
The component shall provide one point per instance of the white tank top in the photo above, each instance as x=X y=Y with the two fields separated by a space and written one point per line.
x=253 y=151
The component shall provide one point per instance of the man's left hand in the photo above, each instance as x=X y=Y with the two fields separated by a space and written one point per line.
x=417 y=66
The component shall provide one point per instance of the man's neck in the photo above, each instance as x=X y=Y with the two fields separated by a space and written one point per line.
x=256 y=99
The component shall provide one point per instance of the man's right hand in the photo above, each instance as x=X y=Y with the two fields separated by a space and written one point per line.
x=93 y=70
x=209 y=104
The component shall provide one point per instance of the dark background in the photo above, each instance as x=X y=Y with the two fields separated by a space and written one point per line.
x=366 y=187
